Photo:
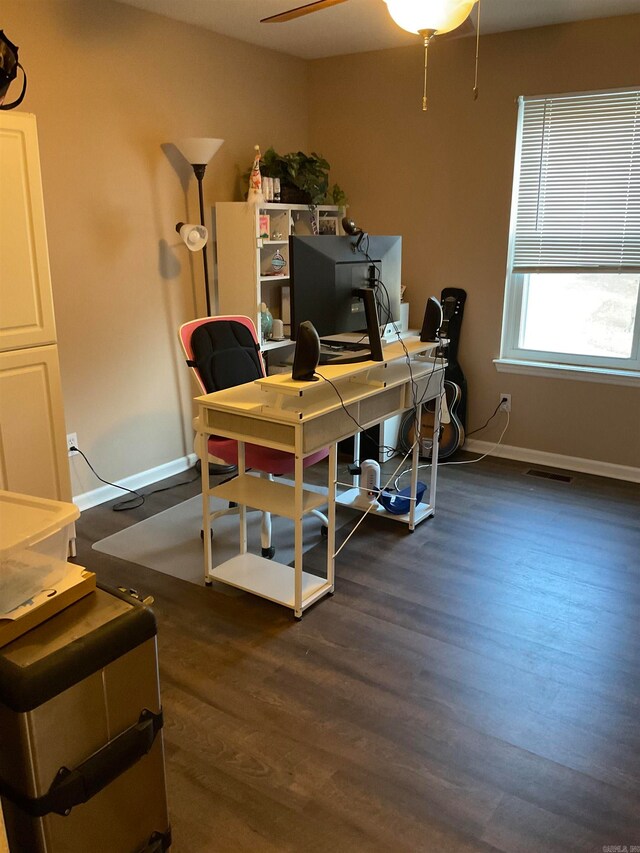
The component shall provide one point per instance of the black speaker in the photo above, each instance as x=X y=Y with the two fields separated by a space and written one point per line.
x=307 y=354
x=432 y=320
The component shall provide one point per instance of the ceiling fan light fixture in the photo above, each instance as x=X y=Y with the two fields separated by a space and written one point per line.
x=429 y=18
x=435 y=16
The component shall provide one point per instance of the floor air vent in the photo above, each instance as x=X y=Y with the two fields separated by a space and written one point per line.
x=548 y=475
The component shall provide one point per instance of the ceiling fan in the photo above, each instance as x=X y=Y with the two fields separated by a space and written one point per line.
x=466 y=28
x=428 y=19
x=290 y=14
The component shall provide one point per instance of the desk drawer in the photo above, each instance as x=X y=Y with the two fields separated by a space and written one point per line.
x=428 y=386
x=383 y=405
x=336 y=425
x=267 y=433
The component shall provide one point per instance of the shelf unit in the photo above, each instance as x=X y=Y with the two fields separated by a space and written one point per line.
x=246 y=276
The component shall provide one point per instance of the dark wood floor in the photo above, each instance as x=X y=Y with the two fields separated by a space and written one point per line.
x=472 y=686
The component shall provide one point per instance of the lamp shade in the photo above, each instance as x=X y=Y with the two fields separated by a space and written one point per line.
x=193 y=236
x=198 y=150
x=439 y=16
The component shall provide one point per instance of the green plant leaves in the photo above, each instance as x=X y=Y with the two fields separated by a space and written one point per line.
x=307 y=172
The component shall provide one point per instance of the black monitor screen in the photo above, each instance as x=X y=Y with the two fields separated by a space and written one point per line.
x=327 y=272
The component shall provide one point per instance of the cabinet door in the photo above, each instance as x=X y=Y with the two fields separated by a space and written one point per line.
x=33 y=447
x=26 y=305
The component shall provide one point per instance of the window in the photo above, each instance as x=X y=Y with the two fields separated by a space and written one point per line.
x=573 y=280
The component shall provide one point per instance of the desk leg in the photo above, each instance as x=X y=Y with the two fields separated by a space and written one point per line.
x=242 y=507
x=356 y=457
x=331 y=533
x=206 y=515
x=434 y=454
x=415 y=462
x=298 y=499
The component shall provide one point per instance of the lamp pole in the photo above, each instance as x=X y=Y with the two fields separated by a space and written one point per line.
x=199 y=170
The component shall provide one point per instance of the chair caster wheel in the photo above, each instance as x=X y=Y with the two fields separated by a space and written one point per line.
x=268 y=553
x=324 y=531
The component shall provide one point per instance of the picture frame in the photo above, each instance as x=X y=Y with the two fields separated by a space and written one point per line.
x=328 y=225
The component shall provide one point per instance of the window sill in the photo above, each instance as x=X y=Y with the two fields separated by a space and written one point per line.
x=568 y=371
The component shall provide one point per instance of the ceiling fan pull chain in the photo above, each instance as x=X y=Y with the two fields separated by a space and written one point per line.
x=427 y=39
x=475 y=82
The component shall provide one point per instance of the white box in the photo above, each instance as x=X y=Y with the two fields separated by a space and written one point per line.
x=35 y=578
x=404 y=316
x=34 y=524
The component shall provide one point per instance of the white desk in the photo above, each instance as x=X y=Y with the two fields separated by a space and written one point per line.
x=302 y=418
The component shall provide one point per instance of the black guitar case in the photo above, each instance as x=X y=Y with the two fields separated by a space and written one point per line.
x=453 y=371
x=450 y=329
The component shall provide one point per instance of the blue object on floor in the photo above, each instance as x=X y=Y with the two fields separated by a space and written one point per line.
x=399 y=503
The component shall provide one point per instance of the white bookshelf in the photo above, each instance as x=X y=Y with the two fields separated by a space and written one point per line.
x=246 y=277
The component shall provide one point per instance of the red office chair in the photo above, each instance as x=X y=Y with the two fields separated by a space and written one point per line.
x=224 y=352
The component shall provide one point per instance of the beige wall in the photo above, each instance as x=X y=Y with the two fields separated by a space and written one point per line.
x=443 y=180
x=110 y=85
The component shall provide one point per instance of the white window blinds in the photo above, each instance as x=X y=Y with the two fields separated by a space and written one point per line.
x=578 y=194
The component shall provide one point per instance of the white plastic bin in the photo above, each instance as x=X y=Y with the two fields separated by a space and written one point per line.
x=35 y=578
x=34 y=524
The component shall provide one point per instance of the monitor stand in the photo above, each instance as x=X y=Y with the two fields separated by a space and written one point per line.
x=337 y=349
x=368 y=296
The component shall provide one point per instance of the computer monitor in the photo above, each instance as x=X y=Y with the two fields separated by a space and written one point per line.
x=331 y=280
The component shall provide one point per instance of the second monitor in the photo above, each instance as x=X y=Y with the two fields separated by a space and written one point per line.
x=331 y=280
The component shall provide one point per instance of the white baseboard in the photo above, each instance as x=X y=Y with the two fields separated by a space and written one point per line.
x=556 y=460
x=136 y=481
x=522 y=454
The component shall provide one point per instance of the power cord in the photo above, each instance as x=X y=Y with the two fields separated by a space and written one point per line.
x=414 y=386
x=488 y=421
x=463 y=461
x=130 y=503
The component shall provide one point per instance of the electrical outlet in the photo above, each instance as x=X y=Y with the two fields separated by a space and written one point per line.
x=505 y=402
x=72 y=441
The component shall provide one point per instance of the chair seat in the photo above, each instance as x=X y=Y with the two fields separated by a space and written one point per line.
x=276 y=462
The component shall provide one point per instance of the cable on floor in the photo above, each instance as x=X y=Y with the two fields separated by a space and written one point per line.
x=131 y=503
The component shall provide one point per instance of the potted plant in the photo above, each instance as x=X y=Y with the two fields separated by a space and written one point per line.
x=304 y=178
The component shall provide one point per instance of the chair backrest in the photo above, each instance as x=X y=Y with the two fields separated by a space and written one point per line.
x=222 y=351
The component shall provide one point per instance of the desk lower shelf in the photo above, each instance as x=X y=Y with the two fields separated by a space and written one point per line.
x=352 y=500
x=269 y=579
x=268 y=495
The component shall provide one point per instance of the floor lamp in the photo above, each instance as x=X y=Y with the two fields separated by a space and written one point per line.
x=198 y=152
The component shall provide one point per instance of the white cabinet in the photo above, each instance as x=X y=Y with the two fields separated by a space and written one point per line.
x=25 y=284
x=252 y=246
x=33 y=451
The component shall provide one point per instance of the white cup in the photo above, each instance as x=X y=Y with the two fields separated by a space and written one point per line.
x=278 y=330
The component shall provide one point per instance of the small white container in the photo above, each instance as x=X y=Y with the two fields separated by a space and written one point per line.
x=34 y=524
x=35 y=578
